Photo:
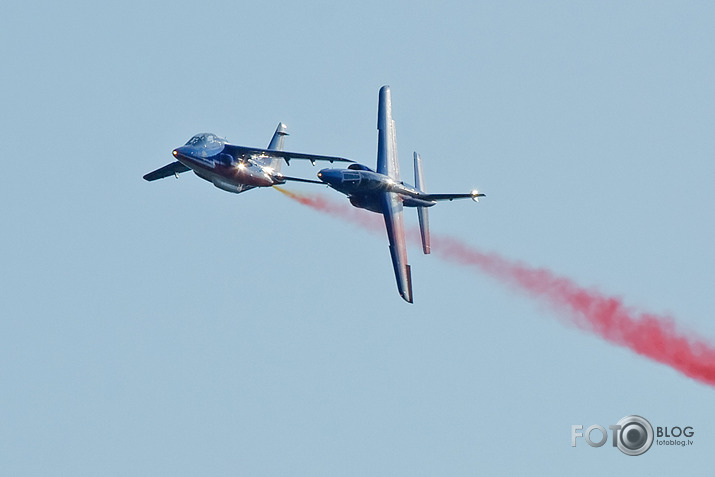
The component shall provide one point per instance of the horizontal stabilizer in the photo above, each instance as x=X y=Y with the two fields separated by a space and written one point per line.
x=169 y=170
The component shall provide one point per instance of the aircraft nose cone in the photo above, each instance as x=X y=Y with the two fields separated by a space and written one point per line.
x=181 y=153
x=329 y=176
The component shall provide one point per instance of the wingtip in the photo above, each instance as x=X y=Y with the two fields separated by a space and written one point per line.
x=407 y=294
x=476 y=195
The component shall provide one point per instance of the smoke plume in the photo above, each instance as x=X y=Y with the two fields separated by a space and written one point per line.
x=648 y=334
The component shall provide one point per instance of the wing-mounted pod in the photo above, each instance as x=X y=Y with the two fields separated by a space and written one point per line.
x=422 y=212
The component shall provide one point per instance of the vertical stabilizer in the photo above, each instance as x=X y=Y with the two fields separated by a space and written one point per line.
x=276 y=144
x=422 y=212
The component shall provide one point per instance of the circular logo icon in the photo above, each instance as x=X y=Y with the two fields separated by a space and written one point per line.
x=635 y=435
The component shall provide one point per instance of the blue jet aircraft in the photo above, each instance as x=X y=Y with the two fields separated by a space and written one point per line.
x=236 y=168
x=383 y=192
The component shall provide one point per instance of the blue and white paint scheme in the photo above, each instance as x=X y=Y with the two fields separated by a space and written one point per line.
x=236 y=168
x=383 y=192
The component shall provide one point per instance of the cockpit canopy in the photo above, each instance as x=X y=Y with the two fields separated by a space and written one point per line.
x=206 y=140
x=359 y=167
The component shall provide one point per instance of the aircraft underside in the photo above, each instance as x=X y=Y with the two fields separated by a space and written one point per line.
x=235 y=183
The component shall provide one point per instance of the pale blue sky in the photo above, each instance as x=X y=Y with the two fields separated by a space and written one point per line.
x=172 y=328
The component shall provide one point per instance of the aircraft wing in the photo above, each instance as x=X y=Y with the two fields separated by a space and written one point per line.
x=394 y=222
x=386 y=145
x=239 y=151
x=166 y=171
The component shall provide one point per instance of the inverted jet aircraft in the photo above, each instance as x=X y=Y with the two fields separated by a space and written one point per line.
x=236 y=168
x=383 y=192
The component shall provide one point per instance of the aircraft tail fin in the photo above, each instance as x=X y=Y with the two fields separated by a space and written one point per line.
x=278 y=138
x=276 y=144
x=422 y=212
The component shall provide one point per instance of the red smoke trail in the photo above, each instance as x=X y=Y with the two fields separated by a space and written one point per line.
x=648 y=334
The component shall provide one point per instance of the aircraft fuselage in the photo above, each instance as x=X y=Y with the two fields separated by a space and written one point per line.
x=236 y=168
x=365 y=187
x=228 y=171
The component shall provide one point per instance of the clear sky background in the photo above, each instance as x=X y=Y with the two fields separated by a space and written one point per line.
x=173 y=328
